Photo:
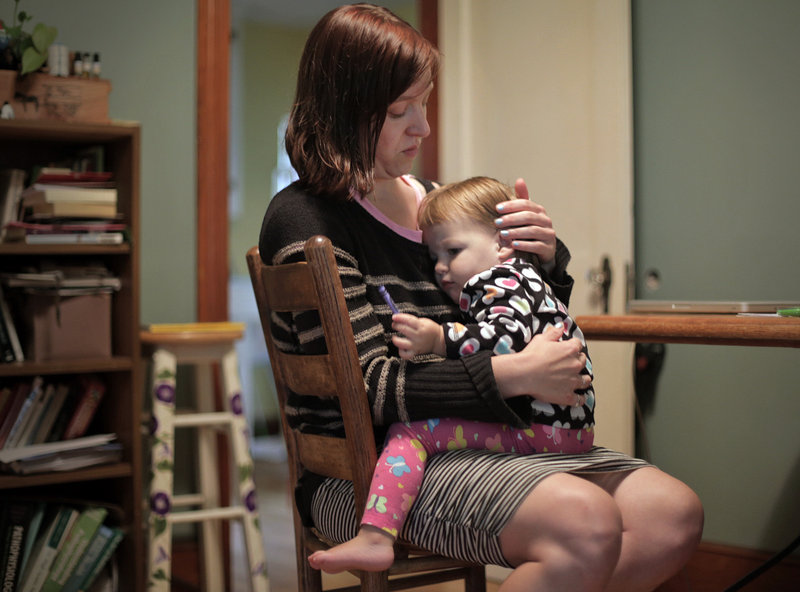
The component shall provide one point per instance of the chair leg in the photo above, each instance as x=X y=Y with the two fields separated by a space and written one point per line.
x=374 y=581
x=476 y=579
x=308 y=579
x=246 y=487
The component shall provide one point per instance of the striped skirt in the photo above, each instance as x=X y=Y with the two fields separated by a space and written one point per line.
x=466 y=500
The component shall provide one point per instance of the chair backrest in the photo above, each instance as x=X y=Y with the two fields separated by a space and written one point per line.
x=308 y=286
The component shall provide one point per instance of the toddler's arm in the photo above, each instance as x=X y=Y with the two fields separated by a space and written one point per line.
x=417 y=336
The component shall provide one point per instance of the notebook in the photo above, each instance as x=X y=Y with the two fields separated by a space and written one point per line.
x=710 y=306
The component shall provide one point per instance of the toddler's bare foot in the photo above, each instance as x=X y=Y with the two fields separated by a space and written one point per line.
x=370 y=550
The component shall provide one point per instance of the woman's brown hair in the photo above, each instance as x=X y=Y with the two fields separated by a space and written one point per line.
x=357 y=61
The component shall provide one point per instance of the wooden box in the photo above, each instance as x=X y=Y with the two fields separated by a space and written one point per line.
x=68 y=327
x=41 y=96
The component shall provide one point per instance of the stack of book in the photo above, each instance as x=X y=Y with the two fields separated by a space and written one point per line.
x=43 y=426
x=52 y=546
x=64 y=206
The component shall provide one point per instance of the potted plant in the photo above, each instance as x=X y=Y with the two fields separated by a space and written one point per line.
x=23 y=51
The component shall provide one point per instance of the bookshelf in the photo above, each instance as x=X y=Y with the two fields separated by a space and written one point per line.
x=26 y=143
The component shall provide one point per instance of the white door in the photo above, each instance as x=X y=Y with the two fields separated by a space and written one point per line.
x=541 y=89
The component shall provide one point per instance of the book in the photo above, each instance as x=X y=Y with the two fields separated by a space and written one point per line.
x=18 y=398
x=47 y=193
x=67 y=209
x=57 y=526
x=22 y=227
x=11 y=185
x=97 y=553
x=8 y=455
x=107 y=580
x=61 y=279
x=66 y=460
x=17 y=515
x=77 y=541
x=61 y=175
x=210 y=327
x=10 y=328
x=92 y=391
x=83 y=238
x=51 y=413
x=6 y=349
x=36 y=414
x=6 y=394
x=35 y=525
x=25 y=412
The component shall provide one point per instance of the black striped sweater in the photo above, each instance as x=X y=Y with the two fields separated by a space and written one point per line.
x=370 y=254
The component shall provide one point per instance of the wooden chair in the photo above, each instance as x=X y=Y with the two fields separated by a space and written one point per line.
x=315 y=285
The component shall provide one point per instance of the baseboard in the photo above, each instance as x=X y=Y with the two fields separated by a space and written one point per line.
x=715 y=567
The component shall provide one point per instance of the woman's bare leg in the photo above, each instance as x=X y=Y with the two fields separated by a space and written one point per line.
x=566 y=535
x=617 y=531
x=662 y=522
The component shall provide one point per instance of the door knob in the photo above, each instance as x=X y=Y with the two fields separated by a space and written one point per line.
x=600 y=279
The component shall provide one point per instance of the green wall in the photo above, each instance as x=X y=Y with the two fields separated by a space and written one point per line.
x=148 y=53
x=268 y=61
x=717 y=138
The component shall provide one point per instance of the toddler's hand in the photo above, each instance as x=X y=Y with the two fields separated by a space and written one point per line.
x=417 y=336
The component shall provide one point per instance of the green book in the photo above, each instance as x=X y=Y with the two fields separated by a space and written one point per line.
x=102 y=560
x=74 y=547
x=46 y=549
x=101 y=540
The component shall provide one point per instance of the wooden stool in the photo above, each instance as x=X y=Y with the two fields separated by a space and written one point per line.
x=201 y=345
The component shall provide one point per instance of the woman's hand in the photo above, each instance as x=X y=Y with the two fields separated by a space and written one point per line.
x=525 y=225
x=547 y=369
x=417 y=336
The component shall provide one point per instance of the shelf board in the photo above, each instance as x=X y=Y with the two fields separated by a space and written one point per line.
x=80 y=366
x=111 y=471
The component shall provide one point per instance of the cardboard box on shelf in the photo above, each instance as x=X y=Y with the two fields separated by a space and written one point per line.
x=67 y=327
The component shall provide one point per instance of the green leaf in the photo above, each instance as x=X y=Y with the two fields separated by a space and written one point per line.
x=43 y=36
x=32 y=60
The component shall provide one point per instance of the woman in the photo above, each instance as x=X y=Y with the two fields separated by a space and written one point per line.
x=596 y=521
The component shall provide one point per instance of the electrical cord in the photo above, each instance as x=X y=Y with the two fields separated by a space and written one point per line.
x=772 y=561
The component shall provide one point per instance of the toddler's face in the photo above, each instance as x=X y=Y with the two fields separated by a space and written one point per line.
x=461 y=248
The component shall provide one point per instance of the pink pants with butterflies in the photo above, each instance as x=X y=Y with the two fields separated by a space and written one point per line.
x=401 y=466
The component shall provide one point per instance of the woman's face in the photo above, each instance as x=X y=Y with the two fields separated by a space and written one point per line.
x=404 y=128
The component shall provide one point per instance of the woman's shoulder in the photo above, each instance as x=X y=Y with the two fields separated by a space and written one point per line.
x=294 y=215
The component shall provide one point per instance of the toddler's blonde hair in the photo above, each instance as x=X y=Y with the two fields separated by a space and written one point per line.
x=475 y=199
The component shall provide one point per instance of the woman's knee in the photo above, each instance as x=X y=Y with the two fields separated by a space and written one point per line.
x=687 y=516
x=671 y=514
x=567 y=524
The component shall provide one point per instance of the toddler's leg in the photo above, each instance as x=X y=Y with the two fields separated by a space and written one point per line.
x=395 y=483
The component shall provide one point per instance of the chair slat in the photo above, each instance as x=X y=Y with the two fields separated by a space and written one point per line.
x=324 y=455
x=308 y=375
x=289 y=287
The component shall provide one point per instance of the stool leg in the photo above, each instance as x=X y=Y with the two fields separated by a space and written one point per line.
x=209 y=479
x=162 y=463
x=244 y=466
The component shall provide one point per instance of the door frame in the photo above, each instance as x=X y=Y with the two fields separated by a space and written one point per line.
x=213 y=79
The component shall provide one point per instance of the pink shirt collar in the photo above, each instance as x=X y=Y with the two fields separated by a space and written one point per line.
x=412 y=235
